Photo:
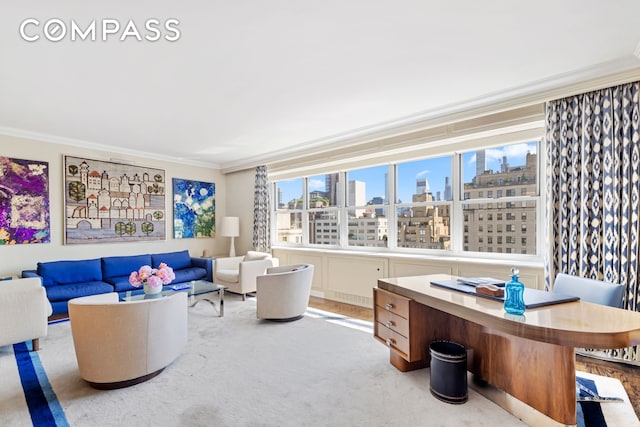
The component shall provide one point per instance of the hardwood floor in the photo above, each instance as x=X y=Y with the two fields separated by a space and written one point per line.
x=629 y=375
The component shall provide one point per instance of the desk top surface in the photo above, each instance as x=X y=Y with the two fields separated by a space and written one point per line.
x=576 y=324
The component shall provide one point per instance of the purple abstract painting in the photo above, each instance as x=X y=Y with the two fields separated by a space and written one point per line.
x=24 y=201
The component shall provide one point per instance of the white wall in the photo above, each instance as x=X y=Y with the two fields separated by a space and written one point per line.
x=240 y=187
x=15 y=258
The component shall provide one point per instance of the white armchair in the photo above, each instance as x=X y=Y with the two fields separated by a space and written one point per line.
x=119 y=344
x=283 y=293
x=24 y=311
x=239 y=273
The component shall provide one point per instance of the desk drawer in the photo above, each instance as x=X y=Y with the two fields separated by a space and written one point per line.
x=393 y=321
x=393 y=339
x=392 y=302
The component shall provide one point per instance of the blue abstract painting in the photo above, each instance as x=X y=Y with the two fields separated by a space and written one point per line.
x=194 y=209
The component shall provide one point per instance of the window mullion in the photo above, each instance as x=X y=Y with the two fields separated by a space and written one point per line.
x=456 y=204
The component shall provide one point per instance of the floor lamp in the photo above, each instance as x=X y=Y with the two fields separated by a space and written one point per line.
x=230 y=228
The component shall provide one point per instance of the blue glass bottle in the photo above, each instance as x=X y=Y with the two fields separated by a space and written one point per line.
x=514 y=294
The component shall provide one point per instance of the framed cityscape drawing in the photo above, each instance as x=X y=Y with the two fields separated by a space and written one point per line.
x=194 y=209
x=108 y=202
x=24 y=201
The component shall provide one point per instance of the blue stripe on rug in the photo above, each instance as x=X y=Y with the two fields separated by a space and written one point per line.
x=44 y=408
x=589 y=414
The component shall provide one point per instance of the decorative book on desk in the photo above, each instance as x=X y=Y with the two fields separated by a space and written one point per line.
x=477 y=281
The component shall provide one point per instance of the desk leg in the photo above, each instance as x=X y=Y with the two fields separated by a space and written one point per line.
x=540 y=374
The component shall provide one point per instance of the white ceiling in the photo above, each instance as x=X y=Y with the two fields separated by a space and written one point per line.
x=250 y=79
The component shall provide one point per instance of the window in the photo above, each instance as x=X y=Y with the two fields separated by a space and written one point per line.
x=322 y=199
x=289 y=211
x=367 y=206
x=510 y=173
x=424 y=195
x=417 y=205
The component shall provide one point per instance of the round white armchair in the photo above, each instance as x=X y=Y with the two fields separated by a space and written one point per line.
x=119 y=344
x=283 y=293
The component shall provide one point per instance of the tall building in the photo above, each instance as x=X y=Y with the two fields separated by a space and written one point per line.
x=422 y=186
x=331 y=188
x=481 y=162
x=356 y=196
x=447 y=189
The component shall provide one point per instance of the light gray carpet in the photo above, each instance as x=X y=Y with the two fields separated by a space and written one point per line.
x=241 y=371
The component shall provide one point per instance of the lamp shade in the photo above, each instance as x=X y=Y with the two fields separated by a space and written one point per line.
x=230 y=226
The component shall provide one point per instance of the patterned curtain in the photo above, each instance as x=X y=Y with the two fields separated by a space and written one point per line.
x=593 y=180
x=261 y=211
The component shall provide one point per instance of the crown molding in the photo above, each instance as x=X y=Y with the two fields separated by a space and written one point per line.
x=54 y=139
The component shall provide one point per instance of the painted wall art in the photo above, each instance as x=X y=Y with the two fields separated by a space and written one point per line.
x=108 y=202
x=24 y=201
x=194 y=209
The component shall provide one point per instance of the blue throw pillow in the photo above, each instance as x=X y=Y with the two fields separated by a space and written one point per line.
x=175 y=260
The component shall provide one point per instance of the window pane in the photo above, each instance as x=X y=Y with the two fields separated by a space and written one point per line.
x=324 y=228
x=424 y=227
x=511 y=170
x=289 y=194
x=367 y=187
x=519 y=237
x=323 y=190
x=369 y=230
x=289 y=227
x=418 y=179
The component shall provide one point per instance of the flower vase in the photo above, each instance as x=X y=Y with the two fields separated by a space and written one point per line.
x=152 y=290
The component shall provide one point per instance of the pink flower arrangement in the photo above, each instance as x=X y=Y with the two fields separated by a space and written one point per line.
x=163 y=275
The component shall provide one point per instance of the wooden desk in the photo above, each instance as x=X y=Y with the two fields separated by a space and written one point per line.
x=530 y=357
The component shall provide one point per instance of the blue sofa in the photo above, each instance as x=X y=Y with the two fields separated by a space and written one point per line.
x=64 y=280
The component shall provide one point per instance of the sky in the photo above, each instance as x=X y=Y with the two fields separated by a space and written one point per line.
x=434 y=170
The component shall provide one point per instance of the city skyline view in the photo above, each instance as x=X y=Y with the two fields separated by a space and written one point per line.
x=434 y=170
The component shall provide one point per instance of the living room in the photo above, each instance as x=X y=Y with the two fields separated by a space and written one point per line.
x=253 y=85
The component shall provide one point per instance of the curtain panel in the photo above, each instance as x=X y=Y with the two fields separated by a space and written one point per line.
x=593 y=189
x=261 y=211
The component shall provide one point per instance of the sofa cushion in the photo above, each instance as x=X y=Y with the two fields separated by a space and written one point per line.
x=175 y=260
x=117 y=266
x=228 y=275
x=121 y=283
x=68 y=272
x=74 y=290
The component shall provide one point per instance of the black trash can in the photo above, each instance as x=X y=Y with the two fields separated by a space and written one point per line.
x=448 y=376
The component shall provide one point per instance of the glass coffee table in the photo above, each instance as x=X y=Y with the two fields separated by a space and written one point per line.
x=195 y=287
